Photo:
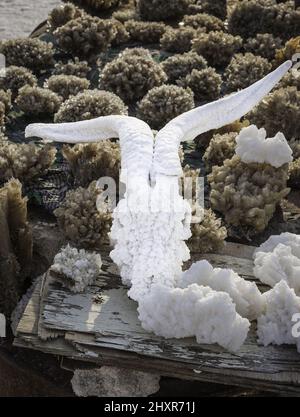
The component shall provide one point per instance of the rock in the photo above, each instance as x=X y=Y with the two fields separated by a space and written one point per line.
x=109 y=381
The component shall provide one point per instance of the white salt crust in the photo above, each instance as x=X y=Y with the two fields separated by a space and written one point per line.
x=75 y=268
x=253 y=146
x=279 y=259
x=275 y=326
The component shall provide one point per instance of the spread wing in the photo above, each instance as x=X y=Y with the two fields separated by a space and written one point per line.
x=136 y=138
x=210 y=116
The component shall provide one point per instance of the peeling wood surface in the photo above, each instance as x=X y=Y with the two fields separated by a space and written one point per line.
x=101 y=326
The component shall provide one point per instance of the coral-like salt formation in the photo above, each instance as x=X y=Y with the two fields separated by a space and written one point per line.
x=164 y=103
x=287 y=20
x=217 y=47
x=15 y=78
x=177 y=40
x=279 y=259
x=28 y=52
x=121 y=34
x=131 y=77
x=24 y=161
x=88 y=105
x=205 y=84
x=81 y=221
x=3 y=138
x=247 y=194
x=72 y=67
x=2 y=117
x=66 y=85
x=247 y=188
x=5 y=100
x=60 y=15
x=275 y=325
x=123 y=15
x=208 y=235
x=179 y=66
x=138 y=51
x=162 y=9
x=36 y=100
x=290 y=48
x=263 y=44
x=294 y=173
x=193 y=311
x=220 y=148
x=245 y=294
x=204 y=22
x=291 y=79
x=145 y=32
x=85 y=36
x=253 y=146
x=16 y=245
x=249 y=18
x=76 y=269
x=216 y=8
x=279 y=111
x=244 y=70
x=94 y=160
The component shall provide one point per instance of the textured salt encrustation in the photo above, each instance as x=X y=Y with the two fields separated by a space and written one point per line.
x=154 y=229
x=76 y=269
x=253 y=146
x=149 y=238
x=289 y=239
x=136 y=138
x=194 y=311
x=248 y=299
x=279 y=259
x=275 y=326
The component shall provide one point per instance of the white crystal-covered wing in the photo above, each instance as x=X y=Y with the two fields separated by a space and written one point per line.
x=136 y=138
x=210 y=116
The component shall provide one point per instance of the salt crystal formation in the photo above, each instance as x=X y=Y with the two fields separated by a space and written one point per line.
x=193 y=311
x=149 y=232
x=279 y=259
x=76 y=269
x=253 y=146
x=247 y=188
x=275 y=326
x=245 y=294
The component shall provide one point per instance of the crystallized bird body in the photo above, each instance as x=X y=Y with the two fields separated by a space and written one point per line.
x=152 y=222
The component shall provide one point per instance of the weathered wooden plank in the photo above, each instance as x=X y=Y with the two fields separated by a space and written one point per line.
x=101 y=326
x=112 y=357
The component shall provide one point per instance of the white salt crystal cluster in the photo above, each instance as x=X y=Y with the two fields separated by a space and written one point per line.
x=193 y=311
x=149 y=233
x=248 y=299
x=279 y=259
x=275 y=326
x=76 y=269
x=254 y=146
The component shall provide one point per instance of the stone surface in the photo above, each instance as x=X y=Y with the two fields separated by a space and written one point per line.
x=114 y=382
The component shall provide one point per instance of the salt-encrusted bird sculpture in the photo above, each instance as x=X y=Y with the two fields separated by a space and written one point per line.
x=152 y=222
